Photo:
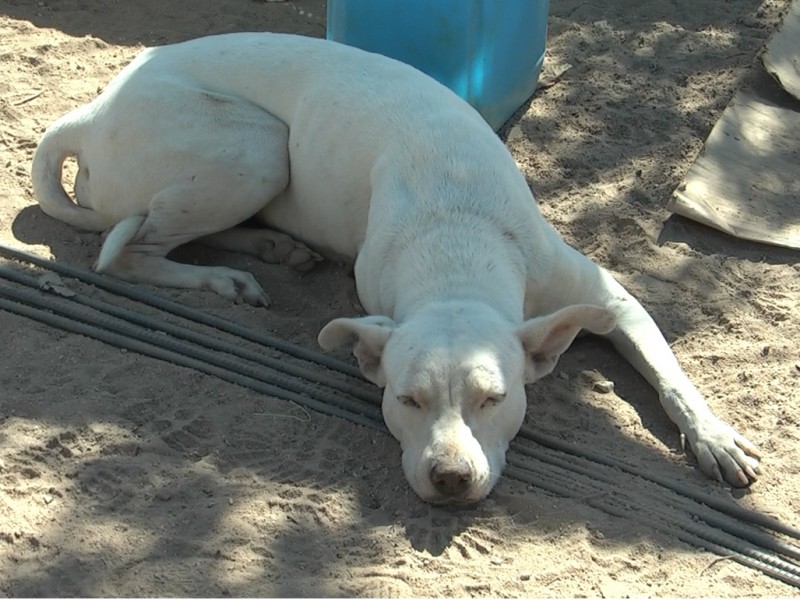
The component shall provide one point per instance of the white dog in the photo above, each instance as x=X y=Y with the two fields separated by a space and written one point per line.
x=471 y=294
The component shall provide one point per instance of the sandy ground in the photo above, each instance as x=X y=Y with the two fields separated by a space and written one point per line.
x=124 y=475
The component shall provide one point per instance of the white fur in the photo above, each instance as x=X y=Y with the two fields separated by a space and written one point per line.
x=472 y=293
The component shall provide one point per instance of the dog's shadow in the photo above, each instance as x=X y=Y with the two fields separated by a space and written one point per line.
x=566 y=405
x=434 y=529
x=33 y=227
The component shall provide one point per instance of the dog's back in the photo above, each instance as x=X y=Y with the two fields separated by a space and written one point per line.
x=352 y=116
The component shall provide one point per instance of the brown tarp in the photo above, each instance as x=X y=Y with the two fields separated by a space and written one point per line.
x=746 y=181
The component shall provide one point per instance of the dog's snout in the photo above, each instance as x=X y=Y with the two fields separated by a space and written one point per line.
x=452 y=478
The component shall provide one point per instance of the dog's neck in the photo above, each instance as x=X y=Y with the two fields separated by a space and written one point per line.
x=437 y=231
x=450 y=261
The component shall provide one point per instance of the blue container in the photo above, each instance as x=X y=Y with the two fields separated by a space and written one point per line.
x=489 y=52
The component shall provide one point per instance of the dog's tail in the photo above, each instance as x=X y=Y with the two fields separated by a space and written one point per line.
x=62 y=139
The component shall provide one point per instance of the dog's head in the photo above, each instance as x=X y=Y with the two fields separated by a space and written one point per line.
x=453 y=378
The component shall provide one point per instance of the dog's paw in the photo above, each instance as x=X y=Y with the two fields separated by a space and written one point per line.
x=302 y=258
x=237 y=286
x=279 y=248
x=723 y=453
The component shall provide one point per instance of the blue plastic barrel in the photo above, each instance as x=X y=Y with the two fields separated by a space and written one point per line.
x=489 y=52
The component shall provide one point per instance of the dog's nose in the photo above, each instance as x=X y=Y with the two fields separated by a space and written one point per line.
x=452 y=478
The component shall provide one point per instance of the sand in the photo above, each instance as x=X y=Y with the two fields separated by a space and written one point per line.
x=125 y=475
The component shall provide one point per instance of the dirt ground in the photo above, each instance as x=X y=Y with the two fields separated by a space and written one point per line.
x=122 y=475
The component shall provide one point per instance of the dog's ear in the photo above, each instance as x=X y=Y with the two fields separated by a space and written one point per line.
x=546 y=338
x=370 y=335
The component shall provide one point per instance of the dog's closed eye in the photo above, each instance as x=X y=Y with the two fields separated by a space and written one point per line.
x=492 y=400
x=409 y=401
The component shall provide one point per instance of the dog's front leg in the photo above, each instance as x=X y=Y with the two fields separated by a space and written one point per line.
x=721 y=451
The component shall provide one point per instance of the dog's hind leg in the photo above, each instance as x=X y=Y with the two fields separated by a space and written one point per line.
x=212 y=200
x=267 y=244
x=212 y=166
